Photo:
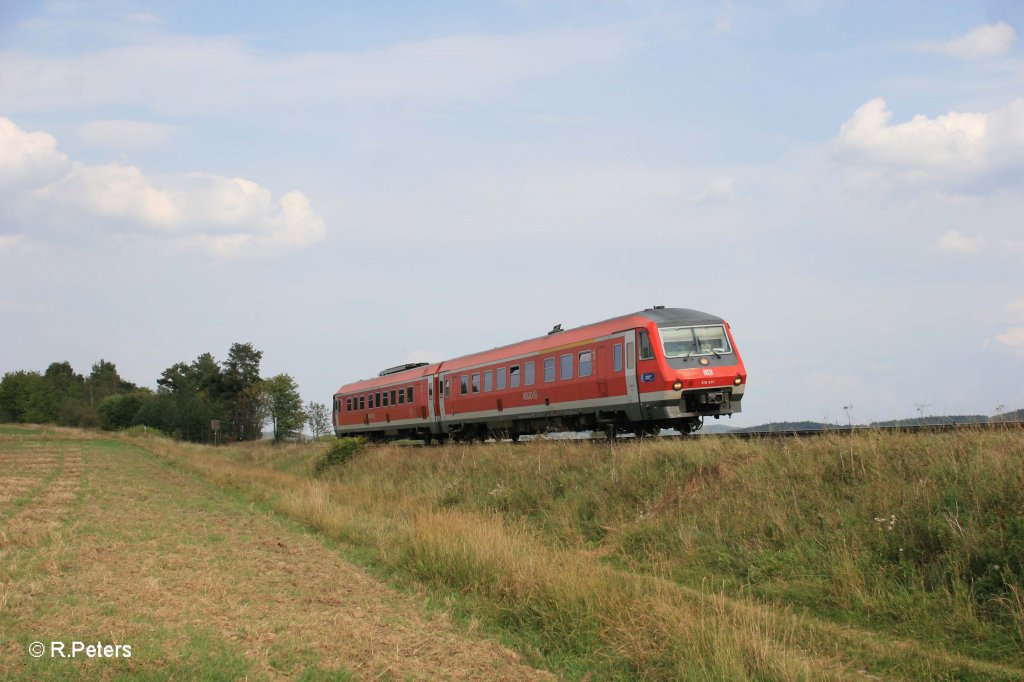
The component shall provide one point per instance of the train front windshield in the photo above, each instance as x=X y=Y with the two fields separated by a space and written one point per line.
x=683 y=342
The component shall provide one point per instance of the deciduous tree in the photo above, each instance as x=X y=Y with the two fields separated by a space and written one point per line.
x=286 y=413
x=318 y=418
x=246 y=409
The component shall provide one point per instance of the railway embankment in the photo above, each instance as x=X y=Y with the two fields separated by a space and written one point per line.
x=867 y=554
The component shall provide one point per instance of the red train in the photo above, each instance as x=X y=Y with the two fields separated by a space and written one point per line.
x=639 y=373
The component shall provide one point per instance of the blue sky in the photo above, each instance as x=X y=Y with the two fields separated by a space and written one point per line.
x=353 y=185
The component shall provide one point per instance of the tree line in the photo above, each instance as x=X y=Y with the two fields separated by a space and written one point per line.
x=191 y=398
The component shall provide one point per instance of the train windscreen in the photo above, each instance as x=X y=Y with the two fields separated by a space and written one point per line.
x=681 y=342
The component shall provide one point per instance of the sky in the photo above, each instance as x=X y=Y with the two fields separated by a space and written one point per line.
x=350 y=186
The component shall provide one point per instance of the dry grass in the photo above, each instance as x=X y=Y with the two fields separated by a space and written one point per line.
x=521 y=532
x=115 y=547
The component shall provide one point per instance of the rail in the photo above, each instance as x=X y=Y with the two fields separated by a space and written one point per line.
x=846 y=430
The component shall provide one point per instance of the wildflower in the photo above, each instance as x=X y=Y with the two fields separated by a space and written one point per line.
x=890 y=522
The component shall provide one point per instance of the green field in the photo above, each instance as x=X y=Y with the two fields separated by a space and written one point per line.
x=877 y=556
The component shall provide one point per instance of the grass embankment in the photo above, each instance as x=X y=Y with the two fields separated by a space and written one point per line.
x=835 y=557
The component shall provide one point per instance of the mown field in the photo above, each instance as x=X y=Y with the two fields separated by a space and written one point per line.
x=877 y=556
x=103 y=542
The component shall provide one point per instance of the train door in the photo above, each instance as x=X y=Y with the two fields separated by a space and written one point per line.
x=439 y=380
x=632 y=394
x=428 y=386
x=629 y=338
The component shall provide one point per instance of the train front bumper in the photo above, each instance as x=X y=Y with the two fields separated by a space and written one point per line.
x=704 y=402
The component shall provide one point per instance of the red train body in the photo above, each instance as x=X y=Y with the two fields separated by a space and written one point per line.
x=658 y=368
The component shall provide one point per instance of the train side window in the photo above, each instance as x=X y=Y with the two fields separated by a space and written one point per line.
x=629 y=355
x=529 y=373
x=376 y=400
x=447 y=388
x=549 y=370
x=348 y=405
x=501 y=378
x=513 y=376
x=408 y=394
x=401 y=396
x=386 y=398
x=566 y=363
x=488 y=381
x=476 y=382
x=646 y=352
x=362 y=402
x=393 y=397
x=586 y=363
x=463 y=385
x=617 y=357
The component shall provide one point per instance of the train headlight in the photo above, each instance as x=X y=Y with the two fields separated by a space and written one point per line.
x=678 y=386
x=738 y=381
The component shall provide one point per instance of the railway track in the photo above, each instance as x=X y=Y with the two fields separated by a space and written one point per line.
x=766 y=434
x=846 y=430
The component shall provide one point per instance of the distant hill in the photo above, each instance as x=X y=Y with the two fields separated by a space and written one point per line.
x=775 y=427
x=717 y=428
x=937 y=421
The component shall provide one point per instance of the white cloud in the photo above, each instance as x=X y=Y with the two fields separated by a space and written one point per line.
x=957 y=242
x=981 y=41
x=719 y=186
x=111 y=191
x=598 y=194
x=28 y=158
x=122 y=135
x=219 y=215
x=12 y=243
x=954 y=149
x=1014 y=312
x=1014 y=337
x=224 y=74
x=724 y=22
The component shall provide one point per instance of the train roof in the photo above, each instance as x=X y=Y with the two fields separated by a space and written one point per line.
x=661 y=316
x=392 y=378
x=670 y=316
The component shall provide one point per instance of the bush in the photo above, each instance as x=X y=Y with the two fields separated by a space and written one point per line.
x=141 y=430
x=339 y=452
